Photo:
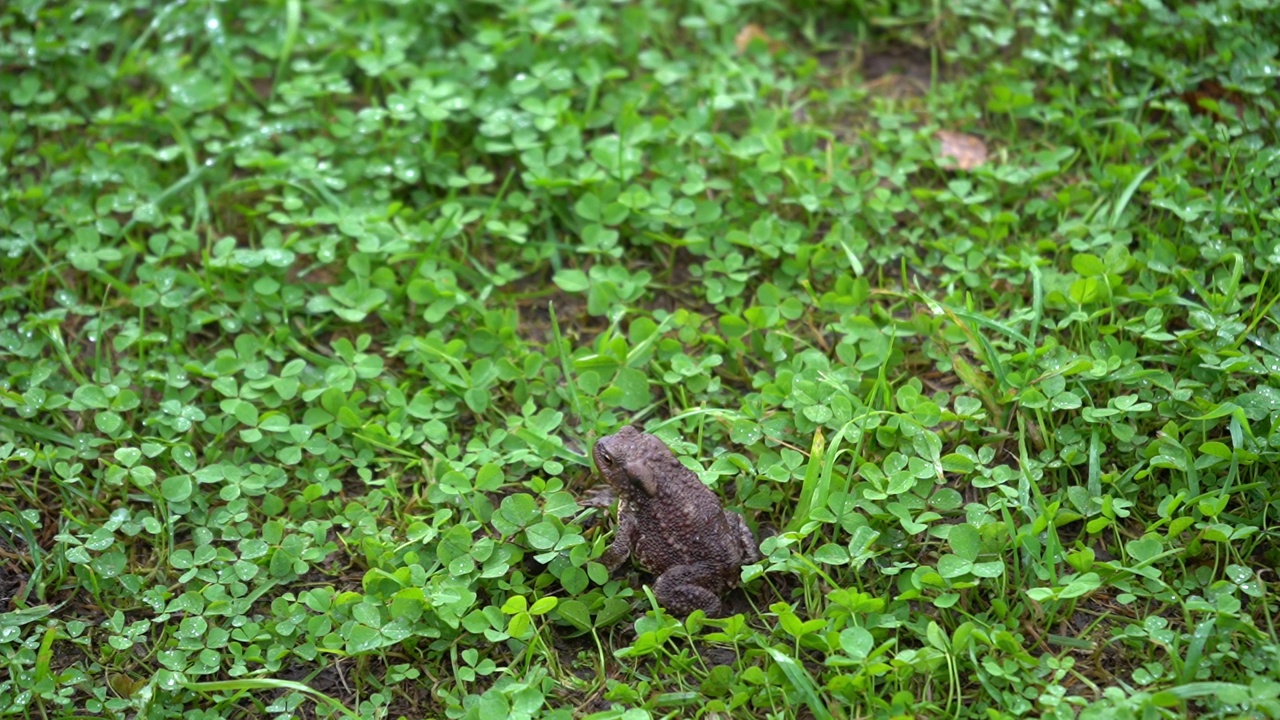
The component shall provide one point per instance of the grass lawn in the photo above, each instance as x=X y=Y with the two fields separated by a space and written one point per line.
x=310 y=313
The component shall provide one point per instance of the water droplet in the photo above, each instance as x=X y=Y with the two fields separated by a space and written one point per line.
x=276 y=256
x=1238 y=573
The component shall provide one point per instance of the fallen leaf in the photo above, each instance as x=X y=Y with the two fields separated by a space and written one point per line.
x=1210 y=98
x=754 y=32
x=964 y=152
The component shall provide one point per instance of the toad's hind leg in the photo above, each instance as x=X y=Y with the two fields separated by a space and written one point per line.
x=685 y=588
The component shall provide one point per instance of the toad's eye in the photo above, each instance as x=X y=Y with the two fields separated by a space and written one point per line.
x=604 y=457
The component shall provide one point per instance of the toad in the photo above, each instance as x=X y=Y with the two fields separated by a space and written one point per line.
x=674 y=526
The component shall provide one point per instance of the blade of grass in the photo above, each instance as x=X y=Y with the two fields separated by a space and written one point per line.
x=1127 y=194
x=801 y=681
x=813 y=477
x=292 y=21
x=268 y=684
x=565 y=365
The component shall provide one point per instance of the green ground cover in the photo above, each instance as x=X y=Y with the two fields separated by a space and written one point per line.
x=311 y=311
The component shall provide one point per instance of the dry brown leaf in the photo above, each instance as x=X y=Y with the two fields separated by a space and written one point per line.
x=1210 y=98
x=751 y=32
x=960 y=151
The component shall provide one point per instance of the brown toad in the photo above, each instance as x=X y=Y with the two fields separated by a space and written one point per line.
x=672 y=524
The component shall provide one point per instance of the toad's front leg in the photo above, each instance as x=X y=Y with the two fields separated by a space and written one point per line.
x=623 y=539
